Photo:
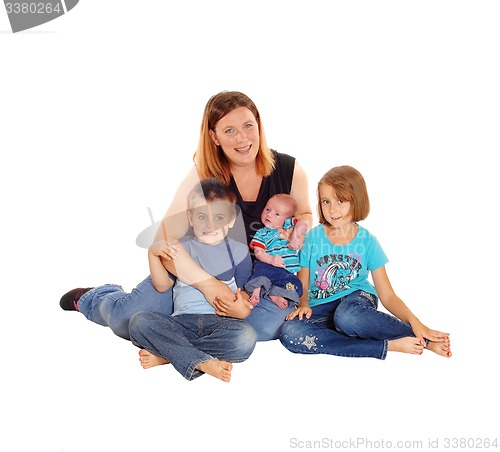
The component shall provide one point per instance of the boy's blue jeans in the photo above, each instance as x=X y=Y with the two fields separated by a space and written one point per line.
x=109 y=305
x=187 y=340
x=351 y=326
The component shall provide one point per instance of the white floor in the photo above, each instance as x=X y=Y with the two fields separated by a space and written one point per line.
x=99 y=118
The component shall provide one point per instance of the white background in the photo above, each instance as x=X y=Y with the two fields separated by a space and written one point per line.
x=99 y=118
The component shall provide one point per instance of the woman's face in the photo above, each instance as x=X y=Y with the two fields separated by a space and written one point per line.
x=237 y=134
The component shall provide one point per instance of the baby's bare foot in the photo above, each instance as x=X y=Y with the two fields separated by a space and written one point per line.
x=412 y=345
x=255 y=298
x=216 y=368
x=281 y=302
x=148 y=360
x=441 y=348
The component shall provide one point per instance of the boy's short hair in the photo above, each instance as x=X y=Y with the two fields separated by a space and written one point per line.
x=211 y=190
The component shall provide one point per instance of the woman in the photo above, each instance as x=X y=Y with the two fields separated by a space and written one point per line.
x=233 y=149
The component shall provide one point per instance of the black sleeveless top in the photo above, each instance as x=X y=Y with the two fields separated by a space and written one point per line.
x=279 y=181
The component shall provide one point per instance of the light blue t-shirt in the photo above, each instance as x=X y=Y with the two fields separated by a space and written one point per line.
x=338 y=270
x=229 y=261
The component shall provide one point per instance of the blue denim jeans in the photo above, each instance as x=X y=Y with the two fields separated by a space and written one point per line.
x=109 y=305
x=357 y=316
x=187 y=340
x=266 y=318
x=350 y=326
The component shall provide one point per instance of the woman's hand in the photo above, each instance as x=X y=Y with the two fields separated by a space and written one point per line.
x=285 y=234
x=296 y=243
x=238 y=308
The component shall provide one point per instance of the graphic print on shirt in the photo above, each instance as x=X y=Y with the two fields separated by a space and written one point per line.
x=333 y=274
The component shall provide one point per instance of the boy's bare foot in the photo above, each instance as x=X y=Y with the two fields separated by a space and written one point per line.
x=441 y=348
x=410 y=344
x=148 y=360
x=216 y=368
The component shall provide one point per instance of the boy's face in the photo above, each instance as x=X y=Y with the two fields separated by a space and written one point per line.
x=274 y=214
x=211 y=222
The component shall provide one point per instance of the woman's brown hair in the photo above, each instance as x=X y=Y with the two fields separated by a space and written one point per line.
x=209 y=158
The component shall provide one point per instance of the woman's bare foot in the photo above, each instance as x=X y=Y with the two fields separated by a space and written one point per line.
x=410 y=344
x=148 y=360
x=216 y=368
x=441 y=348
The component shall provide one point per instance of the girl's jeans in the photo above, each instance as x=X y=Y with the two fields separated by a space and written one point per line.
x=351 y=326
x=188 y=340
x=109 y=305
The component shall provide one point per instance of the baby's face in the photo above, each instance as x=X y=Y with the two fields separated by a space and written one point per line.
x=211 y=222
x=274 y=214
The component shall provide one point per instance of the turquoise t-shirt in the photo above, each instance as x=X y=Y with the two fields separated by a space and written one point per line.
x=338 y=270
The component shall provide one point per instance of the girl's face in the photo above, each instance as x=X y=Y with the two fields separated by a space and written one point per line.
x=237 y=134
x=211 y=222
x=336 y=211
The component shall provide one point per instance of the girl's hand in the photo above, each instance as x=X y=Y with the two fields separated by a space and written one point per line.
x=301 y=311
x=164 y=250
x=420 y=330
x=238 y=308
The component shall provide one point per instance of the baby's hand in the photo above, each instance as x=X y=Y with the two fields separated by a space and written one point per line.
x=277 y=261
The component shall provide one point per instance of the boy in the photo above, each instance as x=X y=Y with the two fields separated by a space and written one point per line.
x=194 y=338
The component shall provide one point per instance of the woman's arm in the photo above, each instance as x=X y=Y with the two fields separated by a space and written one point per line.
x=178 y=262
x=300 y=192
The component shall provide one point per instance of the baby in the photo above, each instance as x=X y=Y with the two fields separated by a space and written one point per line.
x=277 y=260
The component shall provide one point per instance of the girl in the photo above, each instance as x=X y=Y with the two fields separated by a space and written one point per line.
x=338 y=313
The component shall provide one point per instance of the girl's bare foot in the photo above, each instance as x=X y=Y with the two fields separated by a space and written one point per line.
x=412 y=345
x=441 y=348
x=216 y=368
x=148 y=360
